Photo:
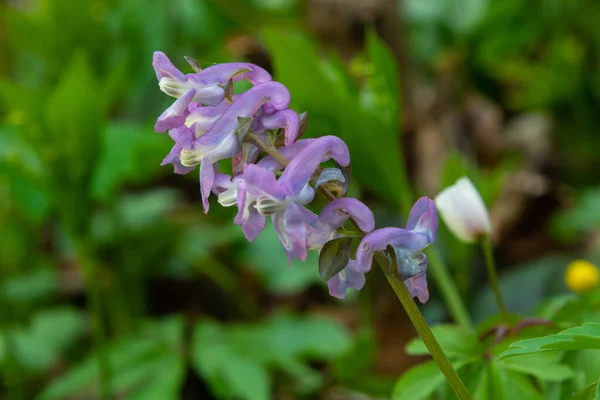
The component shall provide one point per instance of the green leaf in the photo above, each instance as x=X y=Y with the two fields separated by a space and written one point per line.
x=418 y=382
x=582 y=337
x=509 y=385
x=149 y=363
x=129 y=154
x=235 y=359
x=544 y=366
x=334 y=257
x=456 y=341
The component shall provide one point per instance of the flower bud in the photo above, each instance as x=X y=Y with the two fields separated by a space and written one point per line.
x=463 y=211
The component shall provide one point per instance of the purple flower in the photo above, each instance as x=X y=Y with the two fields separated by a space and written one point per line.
x=408 y=245
x=325 y=227
x=204 y=87
x=286 y=119
x=349 y=277
x=220 y=141
x=333 y=217
x=260 y=194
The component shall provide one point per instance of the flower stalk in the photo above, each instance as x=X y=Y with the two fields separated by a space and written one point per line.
x=486 y=245
x=423 y=329
x=403 y=296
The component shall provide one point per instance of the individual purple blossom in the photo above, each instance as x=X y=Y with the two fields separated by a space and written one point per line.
x=286 y=119
x=326 y=227
x=260 y=194
x=408 y=245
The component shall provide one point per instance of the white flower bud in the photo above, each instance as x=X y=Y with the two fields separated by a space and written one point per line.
x=463 y=211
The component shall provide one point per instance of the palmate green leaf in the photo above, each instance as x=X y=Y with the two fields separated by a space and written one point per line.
x=149 y=364
x=509 y=385
x=456 y=341
x=235 y=360
x=584 y=337
x=544 y=366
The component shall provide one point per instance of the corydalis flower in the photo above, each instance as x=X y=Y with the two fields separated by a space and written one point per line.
x=204 y=87
x=326 y=227
x=463 y=211
x=221 y=140
x=259 y=194
x=407 y=245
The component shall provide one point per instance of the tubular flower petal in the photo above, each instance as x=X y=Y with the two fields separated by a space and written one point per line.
x=463 y=211
x=334 y=215
x=349 y=277
x=290 y=152
x=303 y=166
x=237 y=71
x=184 y=138
x=175 y=116
x=411 y=262
x=286 y=119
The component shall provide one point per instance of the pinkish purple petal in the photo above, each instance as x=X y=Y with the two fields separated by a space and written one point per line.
x=288 y=152
x=207 y=178
x=381 y=238
x=184 y=138
x=423 y=218
x=286 y=119
x=291 y=231
x=221 y=73
x=306 y=162
x=417 y=286
x=334 y=215
x=246 y=106
x=350 y=277
x=254 y=224
x=164 y=68
x=260 y=181
x=176 y=114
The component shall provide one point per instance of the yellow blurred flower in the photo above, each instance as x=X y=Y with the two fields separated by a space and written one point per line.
x=581 y=276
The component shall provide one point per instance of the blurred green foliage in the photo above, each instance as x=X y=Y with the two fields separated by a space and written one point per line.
x=93 y=229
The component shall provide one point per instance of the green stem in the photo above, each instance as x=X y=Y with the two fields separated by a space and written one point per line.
x=423 y=330
x=448 y=289
x=92 y=282
x=486 y=245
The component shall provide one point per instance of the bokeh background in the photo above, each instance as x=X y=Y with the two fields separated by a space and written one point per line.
x=94 y=233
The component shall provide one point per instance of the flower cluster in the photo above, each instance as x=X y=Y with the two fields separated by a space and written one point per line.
x=276 y=174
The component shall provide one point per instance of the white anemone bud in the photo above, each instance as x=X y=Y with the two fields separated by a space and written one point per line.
x=463 y=211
